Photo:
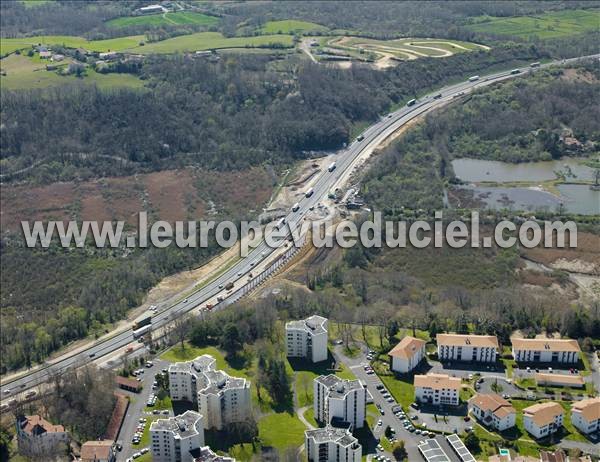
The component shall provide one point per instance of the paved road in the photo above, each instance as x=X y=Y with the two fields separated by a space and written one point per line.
x=237 y=273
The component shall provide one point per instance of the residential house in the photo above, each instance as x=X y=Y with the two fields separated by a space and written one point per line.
x=543 y=419
x=339 y=400
x=493 y=410
x=37 y=437
x=476 y=348
x=98 y=451
x=331 y=444
x=585 y=415
x=437 y=389
x=307 y=339
x=407 y=354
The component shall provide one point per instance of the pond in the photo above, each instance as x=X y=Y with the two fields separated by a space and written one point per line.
x=490 y=170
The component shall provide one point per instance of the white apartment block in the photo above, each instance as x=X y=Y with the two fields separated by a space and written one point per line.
x=38 y=437
x=336 y=399
x=494 y=411
x=585 y=415
x=220 y=398
x=332 y=444
x=477 y=348
x=175 y=439
x=437 y=389
x=541 y=420
x=548 y=350
x=407 y=354
x=307 y=339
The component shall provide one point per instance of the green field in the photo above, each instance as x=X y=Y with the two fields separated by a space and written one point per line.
x=34 y=3
x=212 y=41
x=23 y=72
x=548 y=25
x=281 y=430
x=8 y=45
x=291 y=26
x=176 y=18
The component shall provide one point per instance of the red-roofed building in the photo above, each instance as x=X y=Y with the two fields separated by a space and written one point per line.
x=36 y=436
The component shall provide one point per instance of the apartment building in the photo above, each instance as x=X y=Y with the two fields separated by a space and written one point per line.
x=332 y=444
x=339 y=400
x=38 y=437
x=98 y=451
x=307 y=339
x=178 y=438
x=585 y=415
x=224 y=399
x=220 y=398
x=535 y=350
x=493 y=411
x=476 y=348
x=437 y=389
x=543 y=419
x=206 y=454
x=407 y=354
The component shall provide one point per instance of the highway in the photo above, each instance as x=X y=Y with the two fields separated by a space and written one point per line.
x=263 y=254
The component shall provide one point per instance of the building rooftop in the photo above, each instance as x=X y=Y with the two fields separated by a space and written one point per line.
x=588 y=408
x=341 y=436
x=315 y=324
x=545 y=344
x=36 y=425
x=437 y=381
x=467 y=340
x=206 y=454
x=543 y=413
x=556 y=456
x=337 y=386
x=497 y=405
x=96 y=450
x=407 y=347
x=200 y=364
x=218 y=381
x=182 y=426
x=569 y=379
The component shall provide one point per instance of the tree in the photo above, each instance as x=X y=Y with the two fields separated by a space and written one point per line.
x=472 y=442
x=231 y=341
x=399 y=451
x=181 y=328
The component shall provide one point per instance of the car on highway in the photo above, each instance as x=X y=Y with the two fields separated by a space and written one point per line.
x=7 y=391
x=438 y=96
x=360 y=138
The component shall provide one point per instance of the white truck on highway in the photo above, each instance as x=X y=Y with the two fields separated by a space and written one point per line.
x=309 y=193
x=331 y=167
x=295 y=207
x=412 y=102
x=475 y=78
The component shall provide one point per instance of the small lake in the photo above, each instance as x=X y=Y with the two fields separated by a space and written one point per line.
x=574 y=198
x=490 y=170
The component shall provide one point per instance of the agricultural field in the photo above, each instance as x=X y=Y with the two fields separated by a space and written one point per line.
x=21 y=72
x=291 y=26
x=9 y=45
x=544 y=26
x=212 y=41
x=386 y=53
x=166 y=19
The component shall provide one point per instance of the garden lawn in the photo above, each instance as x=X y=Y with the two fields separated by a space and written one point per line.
x=281 y=430
x=402 y=391
x=175 y=18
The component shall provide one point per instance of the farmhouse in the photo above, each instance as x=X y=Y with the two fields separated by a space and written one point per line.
x=36 y=436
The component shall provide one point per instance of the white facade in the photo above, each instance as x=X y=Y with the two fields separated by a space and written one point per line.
x=220 y=398
x=585 y=415
x=343 y=400
x=494 y=411
x=407 y=354
x=206 y=454
x=541 y=420
x=172 y=439
x=37 y=437
x=331 y=444
x=477 y=348
x=307 y=339
x=545 y=350
x=437 y=389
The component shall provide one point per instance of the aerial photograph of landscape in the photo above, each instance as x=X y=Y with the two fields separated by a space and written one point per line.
x=299 y=230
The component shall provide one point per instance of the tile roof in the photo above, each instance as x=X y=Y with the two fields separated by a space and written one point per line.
x=36 y=425
x=437 y=381
x=467 y=340
x=543 y=413
x=588 y=408
x=493 y=403
x=545 y=344
x=559 y=379
x=96 y=450
x=407 y=347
